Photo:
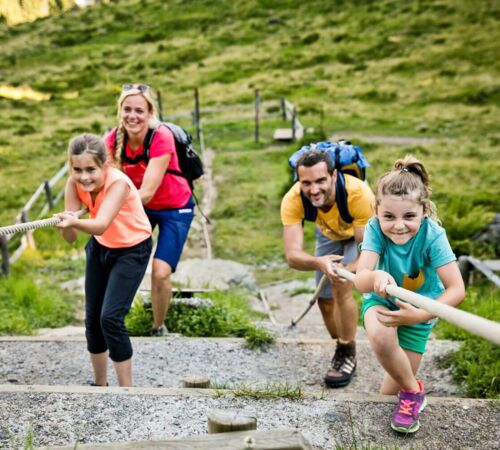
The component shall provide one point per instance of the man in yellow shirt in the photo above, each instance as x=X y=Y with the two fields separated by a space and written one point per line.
x=336 y=245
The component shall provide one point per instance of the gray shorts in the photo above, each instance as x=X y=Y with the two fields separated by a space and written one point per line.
x=326 y=246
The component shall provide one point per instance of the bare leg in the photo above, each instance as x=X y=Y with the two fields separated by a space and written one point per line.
x=327 y=308
x=392 y=357
x=123 y=371
x=100 y=365
x=346 y=311
x=161 y=291
x=389 y=385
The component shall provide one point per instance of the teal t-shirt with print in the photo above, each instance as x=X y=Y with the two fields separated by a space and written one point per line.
x=413 y=265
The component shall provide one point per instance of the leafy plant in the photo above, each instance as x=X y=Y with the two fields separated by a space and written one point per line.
x=230 y=316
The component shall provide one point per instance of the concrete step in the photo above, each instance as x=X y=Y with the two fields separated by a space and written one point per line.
x=65 y=415
x=164 y=362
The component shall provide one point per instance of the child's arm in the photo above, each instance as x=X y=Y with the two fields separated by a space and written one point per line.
x=454 y=289
x=71 y=204
x=114 y=200
x=369 y=280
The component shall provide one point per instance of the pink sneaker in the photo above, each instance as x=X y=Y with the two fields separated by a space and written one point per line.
x=410 y=404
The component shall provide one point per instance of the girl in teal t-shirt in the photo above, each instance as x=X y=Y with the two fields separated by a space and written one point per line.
x=403 y=245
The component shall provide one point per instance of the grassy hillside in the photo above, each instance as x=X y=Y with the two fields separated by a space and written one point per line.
x=425 y=68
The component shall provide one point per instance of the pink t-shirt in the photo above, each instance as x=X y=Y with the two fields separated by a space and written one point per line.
x=131 y=225
x=173 y=191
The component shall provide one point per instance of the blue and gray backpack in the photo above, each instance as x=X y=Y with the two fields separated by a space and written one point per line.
x=348 y=159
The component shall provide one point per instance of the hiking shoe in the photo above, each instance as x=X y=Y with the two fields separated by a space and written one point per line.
x=410 y=404
x=343 y=365
x=160 y=331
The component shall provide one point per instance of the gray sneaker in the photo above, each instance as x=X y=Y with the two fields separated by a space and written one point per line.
x=158 y=332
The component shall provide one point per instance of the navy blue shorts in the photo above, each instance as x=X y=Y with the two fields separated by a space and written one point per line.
x=173 y=229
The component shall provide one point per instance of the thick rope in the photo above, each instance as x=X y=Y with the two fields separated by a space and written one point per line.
x=34 y=225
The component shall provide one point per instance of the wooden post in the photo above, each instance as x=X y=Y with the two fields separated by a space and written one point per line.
x=294 y=117
x=5 y=255
x=196 y=381
x=283 y=109
x=222 y=421
x=30 y=241
x=257 y=113
x=48 y=191
x=160 y=108
x=197 y=113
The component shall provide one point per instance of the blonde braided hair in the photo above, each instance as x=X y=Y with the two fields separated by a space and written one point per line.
x=120 y=130
x=408 y=178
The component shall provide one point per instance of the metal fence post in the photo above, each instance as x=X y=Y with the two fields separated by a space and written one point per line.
x=257 y=113
x=294 y=119
x=283 y=108
x=197 y=113
x=48 y=191
x=160 y=108
x=5 y=255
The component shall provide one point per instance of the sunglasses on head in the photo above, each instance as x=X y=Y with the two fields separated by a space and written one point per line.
x=139 y=87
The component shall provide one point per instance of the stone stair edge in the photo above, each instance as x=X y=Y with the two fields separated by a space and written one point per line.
x=330 y=394
x=172 y=336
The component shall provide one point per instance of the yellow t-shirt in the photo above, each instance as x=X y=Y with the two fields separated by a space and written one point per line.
x=360 y=201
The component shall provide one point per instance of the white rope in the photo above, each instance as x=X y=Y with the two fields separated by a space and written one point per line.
x=479 y=326
x=22 y=227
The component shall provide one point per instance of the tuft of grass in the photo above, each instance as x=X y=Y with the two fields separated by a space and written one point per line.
x=258 y=338
x=269 y=392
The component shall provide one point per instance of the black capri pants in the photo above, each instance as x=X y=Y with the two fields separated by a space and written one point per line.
x=112 y=277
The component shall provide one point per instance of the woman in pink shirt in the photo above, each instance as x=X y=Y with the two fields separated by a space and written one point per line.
x=117 y=252
x=166 y=194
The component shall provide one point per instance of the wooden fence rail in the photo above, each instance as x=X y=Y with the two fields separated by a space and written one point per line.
x=27 y=240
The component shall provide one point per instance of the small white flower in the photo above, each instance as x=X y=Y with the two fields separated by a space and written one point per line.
x=249 y=442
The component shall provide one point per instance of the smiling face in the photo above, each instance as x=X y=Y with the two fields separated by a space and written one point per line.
x=317 y=184
x=135 y=114
x=87 y=173
x=399 y=217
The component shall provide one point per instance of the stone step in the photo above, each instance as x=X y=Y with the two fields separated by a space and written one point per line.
x=164 y=362
x=64 y=415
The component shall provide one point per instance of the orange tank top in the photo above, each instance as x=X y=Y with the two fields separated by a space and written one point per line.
x=131 y=225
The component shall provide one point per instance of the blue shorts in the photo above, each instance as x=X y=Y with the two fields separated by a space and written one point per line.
x=173 y=229
x=325 y=246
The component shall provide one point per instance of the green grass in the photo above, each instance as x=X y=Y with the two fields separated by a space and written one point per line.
x=230 y=316
x=269 y=391
x=476 y=366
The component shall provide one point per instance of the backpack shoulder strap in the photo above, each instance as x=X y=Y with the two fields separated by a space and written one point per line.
x=341 y=198
x=310 y=211
x=148 y=140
